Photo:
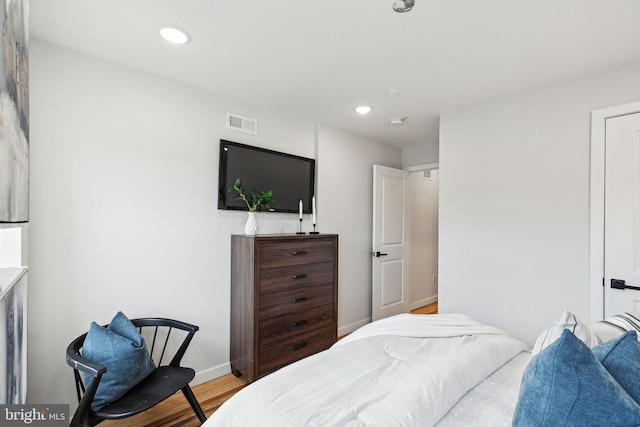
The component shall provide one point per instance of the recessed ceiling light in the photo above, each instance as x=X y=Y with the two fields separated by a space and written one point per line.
x=363 y=109
x=175 y=35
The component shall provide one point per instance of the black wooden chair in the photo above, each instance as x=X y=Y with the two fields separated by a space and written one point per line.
x=166 y=380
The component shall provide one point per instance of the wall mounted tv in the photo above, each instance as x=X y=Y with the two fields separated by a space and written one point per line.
x=290 y=177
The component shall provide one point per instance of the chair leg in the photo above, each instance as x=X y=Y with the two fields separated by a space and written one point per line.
x=191 y=398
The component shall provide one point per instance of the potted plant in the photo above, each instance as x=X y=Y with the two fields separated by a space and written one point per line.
x=256 y=201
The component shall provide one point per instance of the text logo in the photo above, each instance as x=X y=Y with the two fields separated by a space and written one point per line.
x=34 y=415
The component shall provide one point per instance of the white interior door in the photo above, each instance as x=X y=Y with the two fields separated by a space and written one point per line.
x=390 y=274
x=622 y=215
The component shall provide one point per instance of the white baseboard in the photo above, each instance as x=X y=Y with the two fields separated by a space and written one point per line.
x=344 y=330
x=211 y=374
x=423 y=302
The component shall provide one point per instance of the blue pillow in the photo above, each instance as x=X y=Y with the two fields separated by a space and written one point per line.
x=621 y=358
x=566 y=385
x=120 y=348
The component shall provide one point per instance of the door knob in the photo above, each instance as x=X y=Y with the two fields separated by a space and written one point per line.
x=621 y=284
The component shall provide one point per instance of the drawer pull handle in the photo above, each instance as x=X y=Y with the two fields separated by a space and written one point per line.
x=299 y=345
x=298 y=252
x=298 y=276
x=297 y=300
x=299 y=323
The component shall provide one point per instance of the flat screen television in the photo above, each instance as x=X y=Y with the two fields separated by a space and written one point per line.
x=289 y=177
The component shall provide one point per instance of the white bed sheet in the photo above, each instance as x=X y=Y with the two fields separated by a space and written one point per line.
x=405 y=371
x=492 y=402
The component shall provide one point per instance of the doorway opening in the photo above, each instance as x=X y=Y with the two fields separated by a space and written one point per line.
x=423 y=271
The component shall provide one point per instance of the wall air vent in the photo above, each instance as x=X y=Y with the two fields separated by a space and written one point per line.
x=241 y=123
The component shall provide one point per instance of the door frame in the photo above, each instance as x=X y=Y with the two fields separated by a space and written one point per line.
x=424 y=167
x=597 y=203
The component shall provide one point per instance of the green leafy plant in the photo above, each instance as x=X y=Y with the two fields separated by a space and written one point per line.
x=256 y=201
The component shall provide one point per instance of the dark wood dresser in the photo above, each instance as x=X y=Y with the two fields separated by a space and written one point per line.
x=284 y=300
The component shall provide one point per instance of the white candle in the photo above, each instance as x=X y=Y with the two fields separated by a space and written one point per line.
x=313 y=208
x=300 y=206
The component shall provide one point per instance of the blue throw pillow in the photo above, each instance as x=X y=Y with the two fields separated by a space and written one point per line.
x=621 y=358
x=566 y=385
x=120 y=348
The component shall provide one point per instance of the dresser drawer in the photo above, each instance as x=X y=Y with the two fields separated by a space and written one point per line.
x=277 y=328
x=295 y=300
x=284 y=278
x=285 y=253
x=281 y=353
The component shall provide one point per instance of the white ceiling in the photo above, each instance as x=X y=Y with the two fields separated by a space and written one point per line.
x=318 y=59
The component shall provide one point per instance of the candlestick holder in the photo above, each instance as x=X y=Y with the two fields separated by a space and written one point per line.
x=314 y=230
x=300 y=228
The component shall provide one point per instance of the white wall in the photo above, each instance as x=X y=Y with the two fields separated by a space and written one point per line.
x=417 y=155
x=514 y=202
x=124 y=212
x=345 y=185
x=423 y=264
x=10 y=246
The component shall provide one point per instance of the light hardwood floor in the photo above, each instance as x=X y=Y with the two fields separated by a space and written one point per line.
x=175 y=411
x=427 y=309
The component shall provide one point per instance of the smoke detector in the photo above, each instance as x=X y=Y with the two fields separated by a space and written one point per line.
x=398 y=122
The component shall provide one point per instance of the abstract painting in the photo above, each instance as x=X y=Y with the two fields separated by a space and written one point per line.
x=14 y=112
x=13 y=336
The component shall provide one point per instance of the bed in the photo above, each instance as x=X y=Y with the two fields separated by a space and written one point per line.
x=407 y=370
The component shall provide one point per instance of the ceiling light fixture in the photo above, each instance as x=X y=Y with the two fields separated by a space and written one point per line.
x=363 y=109
x=403 y=5
x=175 y=35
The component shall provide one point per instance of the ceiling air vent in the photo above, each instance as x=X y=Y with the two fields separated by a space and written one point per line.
x=242 y=124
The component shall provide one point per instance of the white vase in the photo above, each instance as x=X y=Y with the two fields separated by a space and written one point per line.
x=251 y=227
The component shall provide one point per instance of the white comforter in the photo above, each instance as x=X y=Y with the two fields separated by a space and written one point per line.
x=406 y=370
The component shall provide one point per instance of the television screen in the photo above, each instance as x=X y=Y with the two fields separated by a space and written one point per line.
x=289 y=177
